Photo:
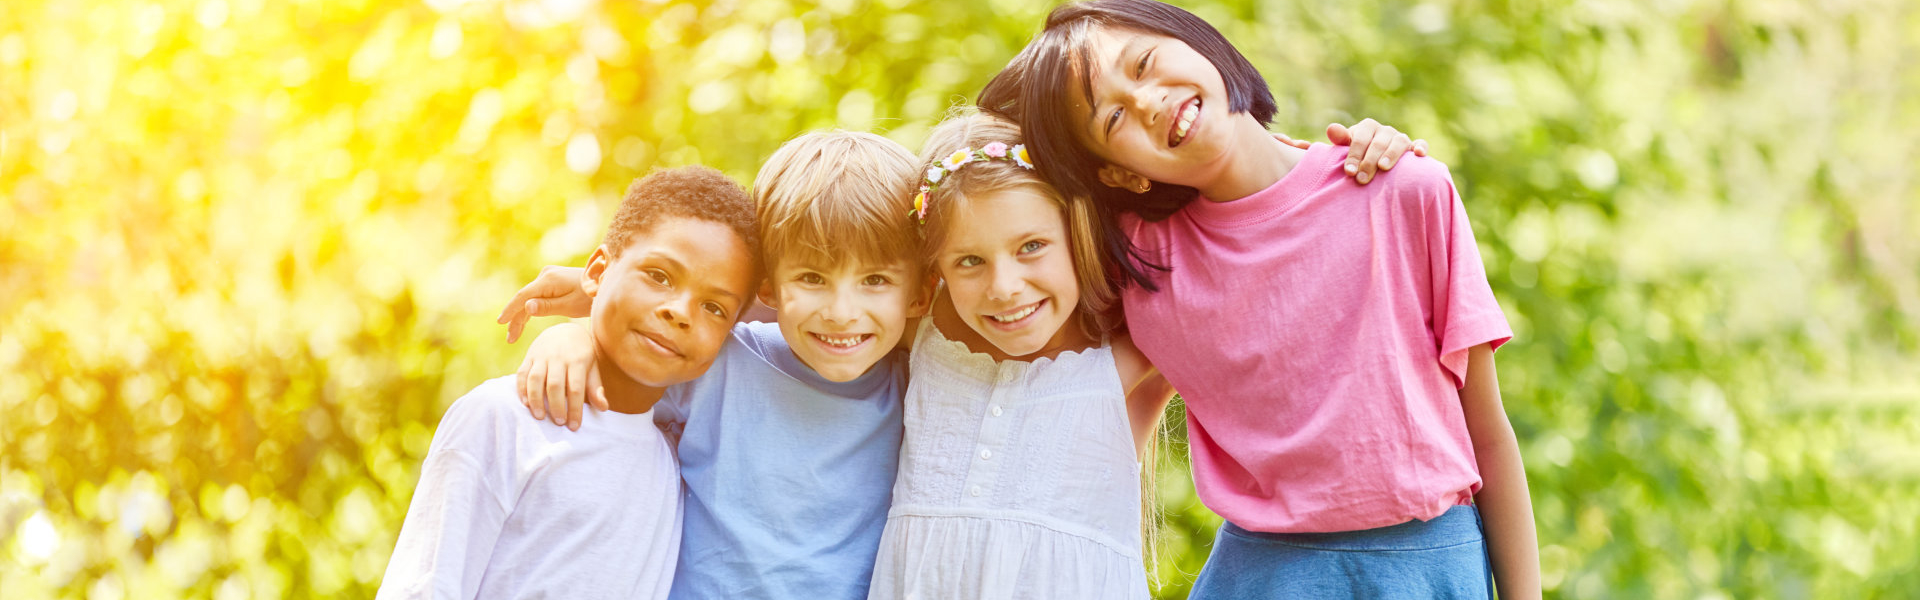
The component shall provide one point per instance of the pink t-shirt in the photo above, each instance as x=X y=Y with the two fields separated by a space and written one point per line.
x=1318 y=331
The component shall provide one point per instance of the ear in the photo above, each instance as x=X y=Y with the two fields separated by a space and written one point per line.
x=1115 y=176
x=923 y=299
x=769 y=294
x=597 y=265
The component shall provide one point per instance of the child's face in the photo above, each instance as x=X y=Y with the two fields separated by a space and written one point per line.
x=663 y=308
x=1009 y=269
x=843 y=318
x=1159 y=108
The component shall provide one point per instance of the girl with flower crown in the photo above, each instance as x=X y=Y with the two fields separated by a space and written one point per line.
x=1019 y=473
x=1333 y=343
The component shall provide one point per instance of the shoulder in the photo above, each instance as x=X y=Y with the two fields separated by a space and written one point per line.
x=759 y=337
x=493 y=399
x=1417 y=174
x=484 y=418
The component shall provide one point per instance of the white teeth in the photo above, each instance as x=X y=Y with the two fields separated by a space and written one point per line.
x=1015 y=316
x=1186 y=121
x=842 y=341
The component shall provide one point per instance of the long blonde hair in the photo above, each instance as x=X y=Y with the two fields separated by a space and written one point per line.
x=965 y=128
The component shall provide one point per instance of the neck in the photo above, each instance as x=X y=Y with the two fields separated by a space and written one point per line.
x=624 y=395
x=1256 y=162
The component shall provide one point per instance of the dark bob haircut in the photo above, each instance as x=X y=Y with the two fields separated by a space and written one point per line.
x=1038 y=85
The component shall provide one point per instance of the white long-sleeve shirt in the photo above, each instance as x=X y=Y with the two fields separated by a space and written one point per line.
x=510 y=507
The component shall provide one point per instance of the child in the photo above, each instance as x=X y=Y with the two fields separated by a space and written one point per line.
x=1333 y=343
x=790 y=442
x=1019 y=476
x=508 y=509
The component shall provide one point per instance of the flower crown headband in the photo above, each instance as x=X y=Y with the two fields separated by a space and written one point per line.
x=939 y=171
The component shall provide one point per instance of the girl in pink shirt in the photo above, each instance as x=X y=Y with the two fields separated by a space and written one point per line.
x=1334 y=343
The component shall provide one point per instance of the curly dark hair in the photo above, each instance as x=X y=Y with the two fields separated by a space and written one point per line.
x=685 y=192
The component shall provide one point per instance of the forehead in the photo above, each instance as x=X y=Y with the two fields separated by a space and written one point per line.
x=810 y=260
x=709 y=251
x=1003 y=215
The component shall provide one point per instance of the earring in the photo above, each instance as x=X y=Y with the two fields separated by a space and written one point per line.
x=1142 y=186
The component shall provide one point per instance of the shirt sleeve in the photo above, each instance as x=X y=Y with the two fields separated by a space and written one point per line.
x=458 y=510
x=1465 y=313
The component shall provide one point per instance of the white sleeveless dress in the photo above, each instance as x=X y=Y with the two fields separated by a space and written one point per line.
x=1017 y=480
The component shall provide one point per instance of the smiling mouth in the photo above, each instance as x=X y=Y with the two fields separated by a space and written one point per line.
x=1016 y=316
x=842 y=341
x=661 y=343
x=1183 y=122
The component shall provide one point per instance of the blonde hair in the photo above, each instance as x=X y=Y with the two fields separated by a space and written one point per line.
x=832 y=196
x=967 y=128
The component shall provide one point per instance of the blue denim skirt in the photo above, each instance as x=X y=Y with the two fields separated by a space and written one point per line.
x=1442 y=558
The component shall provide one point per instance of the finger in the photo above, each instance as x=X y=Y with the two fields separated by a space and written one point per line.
x=1397 y=144
x=1370 y=162
x=1288 y=140
x=535 y=390
x=516 y=327
x=574 y=409
x=1358 y=138
x=599 y=392
x=1419 y=147
x=1338 y=135
x=520 y=387
x=576 y=394
x=519 y=300
x=557 y=393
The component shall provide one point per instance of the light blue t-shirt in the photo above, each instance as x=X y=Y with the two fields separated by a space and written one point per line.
x=789 y=475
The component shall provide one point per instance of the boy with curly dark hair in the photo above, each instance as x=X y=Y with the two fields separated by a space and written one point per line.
x=508 y=508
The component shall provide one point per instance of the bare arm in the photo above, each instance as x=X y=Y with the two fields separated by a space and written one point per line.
x=1147 y=391
x=1504 y=504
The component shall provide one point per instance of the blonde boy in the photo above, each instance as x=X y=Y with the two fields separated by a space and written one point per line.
x=789 y=444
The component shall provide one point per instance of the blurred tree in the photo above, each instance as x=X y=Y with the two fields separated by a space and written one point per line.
x=253 y=249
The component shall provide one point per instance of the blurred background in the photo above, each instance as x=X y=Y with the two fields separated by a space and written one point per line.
x=251 y=250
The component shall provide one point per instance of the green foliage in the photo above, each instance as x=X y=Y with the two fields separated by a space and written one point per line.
x=253 y=249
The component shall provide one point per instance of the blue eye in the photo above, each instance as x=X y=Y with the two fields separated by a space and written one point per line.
x=1031 y=247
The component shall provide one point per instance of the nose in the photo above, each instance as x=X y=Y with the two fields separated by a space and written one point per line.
x=840 y=308
x=675 y=311
x=1146 y=100
x=1005 y=284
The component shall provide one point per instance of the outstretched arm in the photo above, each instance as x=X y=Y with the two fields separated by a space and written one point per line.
x=1504 y=504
